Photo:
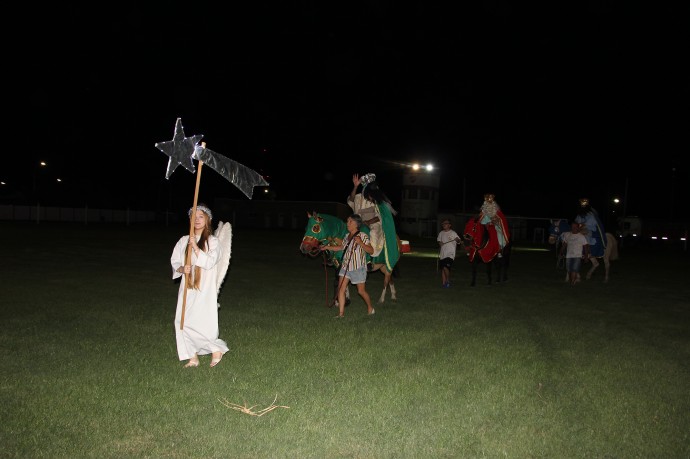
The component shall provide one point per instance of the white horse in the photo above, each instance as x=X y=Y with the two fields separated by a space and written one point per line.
x=558 y=227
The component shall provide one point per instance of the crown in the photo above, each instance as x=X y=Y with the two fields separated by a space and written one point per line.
x=367 y=179
x=489 y=197
x=202 y=208
x=584 y=202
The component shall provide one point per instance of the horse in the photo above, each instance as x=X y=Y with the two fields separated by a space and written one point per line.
x=481 y=249
x=324 y=229
x=560 y=226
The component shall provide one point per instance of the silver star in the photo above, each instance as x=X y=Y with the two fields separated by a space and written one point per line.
x=180 y=150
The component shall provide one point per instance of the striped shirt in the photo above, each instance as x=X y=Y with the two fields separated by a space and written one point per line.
x=354 y=257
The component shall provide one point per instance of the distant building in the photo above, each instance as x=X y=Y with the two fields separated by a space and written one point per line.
x=419 y=203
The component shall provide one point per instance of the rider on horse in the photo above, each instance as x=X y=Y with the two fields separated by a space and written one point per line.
x=592 y=227
x=488 y=233
x=496 y=223
x=377 y=213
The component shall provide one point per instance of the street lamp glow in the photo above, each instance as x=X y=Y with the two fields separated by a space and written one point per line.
x=616 y=200
x=416 y=166
x=43 y=164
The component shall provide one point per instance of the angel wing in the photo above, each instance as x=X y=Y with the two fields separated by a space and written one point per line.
x=224 y=235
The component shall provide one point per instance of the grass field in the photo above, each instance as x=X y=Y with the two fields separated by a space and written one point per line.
x=528 y=369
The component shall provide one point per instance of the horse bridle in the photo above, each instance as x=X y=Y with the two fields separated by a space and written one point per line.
x=313 y=244
x=472 y=239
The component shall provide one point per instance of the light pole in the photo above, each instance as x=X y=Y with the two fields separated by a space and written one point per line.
x=37 y=187
x=614 y=213
x=36 y=184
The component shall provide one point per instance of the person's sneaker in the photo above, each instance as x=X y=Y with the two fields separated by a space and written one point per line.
x=446 y=285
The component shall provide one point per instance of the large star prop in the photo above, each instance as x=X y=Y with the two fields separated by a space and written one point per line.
x=180 y=150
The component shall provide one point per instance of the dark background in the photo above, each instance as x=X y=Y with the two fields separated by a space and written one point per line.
x=540 y=104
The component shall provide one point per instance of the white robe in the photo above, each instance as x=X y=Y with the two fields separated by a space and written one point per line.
x=200 y=333
x=369 y=210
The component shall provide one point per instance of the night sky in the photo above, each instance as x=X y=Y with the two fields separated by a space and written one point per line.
x=540 y=105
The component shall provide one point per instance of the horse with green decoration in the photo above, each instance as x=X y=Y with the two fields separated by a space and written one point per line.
x=329 y=230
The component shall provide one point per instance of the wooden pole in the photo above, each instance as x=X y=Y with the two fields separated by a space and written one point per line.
x=188 y=260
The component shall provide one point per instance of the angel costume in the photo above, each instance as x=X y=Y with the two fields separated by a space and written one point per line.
x=200 y=333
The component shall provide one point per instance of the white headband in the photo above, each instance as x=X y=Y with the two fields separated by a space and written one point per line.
x=203 y=209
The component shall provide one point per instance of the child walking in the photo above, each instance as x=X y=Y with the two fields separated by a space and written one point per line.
x=448 y=241
x=573 y=244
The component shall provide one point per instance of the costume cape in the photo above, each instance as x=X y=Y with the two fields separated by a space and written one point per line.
x=391 y=252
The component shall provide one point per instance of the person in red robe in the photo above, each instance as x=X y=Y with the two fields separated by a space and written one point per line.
x=496 y=225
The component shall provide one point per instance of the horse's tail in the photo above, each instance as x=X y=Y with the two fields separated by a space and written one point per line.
x=613 y=243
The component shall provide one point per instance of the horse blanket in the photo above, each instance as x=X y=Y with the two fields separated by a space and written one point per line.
x=330 y=230
x=483 y=240
x=391 y=250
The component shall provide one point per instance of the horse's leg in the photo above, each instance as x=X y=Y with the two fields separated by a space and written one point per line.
x=391 y=284
x=607 y=264
x=386 y=280
x=595 y=265
x=503 y=269
x=505 y=261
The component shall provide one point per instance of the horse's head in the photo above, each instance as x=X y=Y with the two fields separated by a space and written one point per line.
x=557 y=228
x=321 y=229
x=312 y=235
x=473 y=235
